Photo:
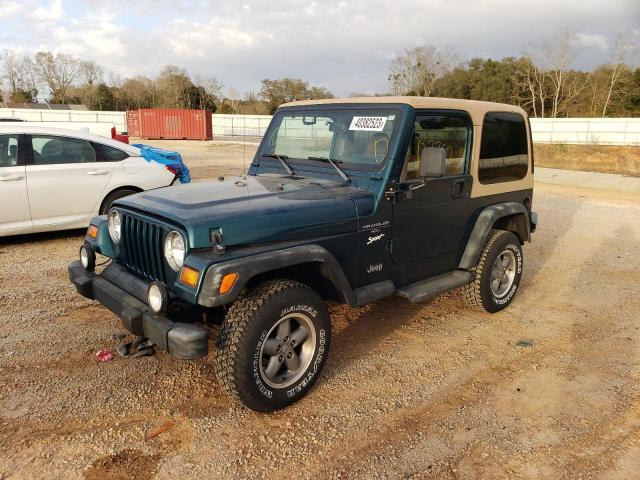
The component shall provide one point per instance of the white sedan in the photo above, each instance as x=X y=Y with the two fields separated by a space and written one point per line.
x=56 y=179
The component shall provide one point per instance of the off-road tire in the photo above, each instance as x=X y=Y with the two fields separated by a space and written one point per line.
x=478 y=293
x=113 y=196
x=246 y=327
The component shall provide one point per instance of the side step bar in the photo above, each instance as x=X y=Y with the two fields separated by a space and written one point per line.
x=426 y=289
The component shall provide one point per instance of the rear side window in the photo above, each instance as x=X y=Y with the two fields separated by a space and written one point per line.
x=504 y=148
x=109 y=154
x=51 y=150
x=8 y=150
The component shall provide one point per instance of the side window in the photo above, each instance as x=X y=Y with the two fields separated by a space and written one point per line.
x=8 y=150
x=449 y=132
x=51 y=150
x=504 y=148
x=109 y=154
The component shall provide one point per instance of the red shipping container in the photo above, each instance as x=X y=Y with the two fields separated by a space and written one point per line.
x=133 y=123
x=171 y=124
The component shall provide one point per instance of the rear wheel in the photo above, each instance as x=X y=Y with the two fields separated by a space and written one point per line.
x=113 y=196
x=496 y=278
x=273 y=344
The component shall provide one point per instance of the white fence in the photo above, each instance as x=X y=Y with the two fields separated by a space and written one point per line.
x=581 y=131
x=239 y=125
x=585 y=131
x=119 y=119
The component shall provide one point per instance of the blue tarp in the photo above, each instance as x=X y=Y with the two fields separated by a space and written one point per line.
x=165 y=157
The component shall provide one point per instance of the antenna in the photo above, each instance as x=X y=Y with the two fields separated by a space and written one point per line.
x=244 y=140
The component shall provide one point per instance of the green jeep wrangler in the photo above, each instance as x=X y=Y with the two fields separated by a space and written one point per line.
x=346 y=200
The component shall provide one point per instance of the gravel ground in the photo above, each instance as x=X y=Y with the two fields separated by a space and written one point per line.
x=548 y=388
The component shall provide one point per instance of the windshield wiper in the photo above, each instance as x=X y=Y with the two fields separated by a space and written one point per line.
x=333 y=164
x=282 y=159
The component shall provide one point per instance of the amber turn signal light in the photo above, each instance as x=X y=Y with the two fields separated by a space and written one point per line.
x=92 y=231
x=228 y=281
x=189 y=276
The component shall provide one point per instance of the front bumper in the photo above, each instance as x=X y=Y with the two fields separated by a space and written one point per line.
x=122 y=293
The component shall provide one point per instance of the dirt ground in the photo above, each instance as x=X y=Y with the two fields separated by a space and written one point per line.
x=548 y=388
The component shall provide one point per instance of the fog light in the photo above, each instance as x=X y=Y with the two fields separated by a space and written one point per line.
x=157 y=298
x=87 y=258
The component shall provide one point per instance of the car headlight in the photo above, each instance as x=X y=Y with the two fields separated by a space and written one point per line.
x=174 y=250
x=115 y=226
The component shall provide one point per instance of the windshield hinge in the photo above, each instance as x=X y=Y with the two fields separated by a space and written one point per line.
x=391 y=193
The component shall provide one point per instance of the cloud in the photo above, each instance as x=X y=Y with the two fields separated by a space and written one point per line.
x=343 y=45
x=592 y=40
x=9 y=9
x=47 y=15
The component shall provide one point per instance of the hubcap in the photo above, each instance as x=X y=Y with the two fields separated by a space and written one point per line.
x=287 y=351
x=503 y=273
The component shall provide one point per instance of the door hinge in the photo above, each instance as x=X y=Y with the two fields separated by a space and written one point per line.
x=391 y=194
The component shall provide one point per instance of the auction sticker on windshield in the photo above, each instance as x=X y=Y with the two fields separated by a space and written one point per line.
x=369 y=124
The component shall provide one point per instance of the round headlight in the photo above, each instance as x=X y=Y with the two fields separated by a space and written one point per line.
x=174 y=250
x=115 y=227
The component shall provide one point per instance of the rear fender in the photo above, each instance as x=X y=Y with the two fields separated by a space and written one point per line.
x=510 y=216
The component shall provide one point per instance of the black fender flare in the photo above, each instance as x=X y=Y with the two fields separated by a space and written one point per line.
x=483 y=226
x=250 y=266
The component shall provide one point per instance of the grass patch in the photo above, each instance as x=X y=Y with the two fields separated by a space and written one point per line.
x=623 y=160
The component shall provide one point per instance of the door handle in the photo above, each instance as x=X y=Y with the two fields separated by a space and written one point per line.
x=457 y=190
x=97 y=172
x=11 y=178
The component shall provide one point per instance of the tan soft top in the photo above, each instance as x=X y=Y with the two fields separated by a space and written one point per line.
x=475 y=108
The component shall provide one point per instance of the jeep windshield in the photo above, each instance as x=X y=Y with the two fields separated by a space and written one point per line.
x=356 y=138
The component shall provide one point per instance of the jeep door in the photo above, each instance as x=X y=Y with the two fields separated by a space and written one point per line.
x=65 y=179
x=14 y=203
x=430 y=214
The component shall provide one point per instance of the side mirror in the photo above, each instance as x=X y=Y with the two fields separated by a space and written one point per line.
x=433 y=162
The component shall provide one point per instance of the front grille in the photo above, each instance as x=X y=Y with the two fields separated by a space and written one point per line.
x=143 y=247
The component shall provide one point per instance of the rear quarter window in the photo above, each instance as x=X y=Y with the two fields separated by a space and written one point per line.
x=504 y=149
x=109 y=154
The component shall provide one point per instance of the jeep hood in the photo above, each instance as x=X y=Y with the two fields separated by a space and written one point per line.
x=256 y=209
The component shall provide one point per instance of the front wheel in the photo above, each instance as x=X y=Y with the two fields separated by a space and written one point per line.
x=273 y=344
x=496 y=278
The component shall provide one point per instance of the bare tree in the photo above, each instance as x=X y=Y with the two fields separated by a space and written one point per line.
x=530 y=80
x=171 y=85
x=210 y=90
x=18 y=71
x=619 y=71
x=90 y=73
x=416 y=70
x=566 y=85
x=58 y=72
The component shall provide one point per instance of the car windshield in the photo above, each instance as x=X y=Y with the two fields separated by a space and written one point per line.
x=358 y=138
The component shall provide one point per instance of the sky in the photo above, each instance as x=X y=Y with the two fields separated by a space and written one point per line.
x=345 y=46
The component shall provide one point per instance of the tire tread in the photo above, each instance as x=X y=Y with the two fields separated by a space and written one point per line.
x=234 y=327
x=472 y=292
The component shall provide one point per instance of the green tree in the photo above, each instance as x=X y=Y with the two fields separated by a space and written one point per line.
x=277 y=92
x=103 y=99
